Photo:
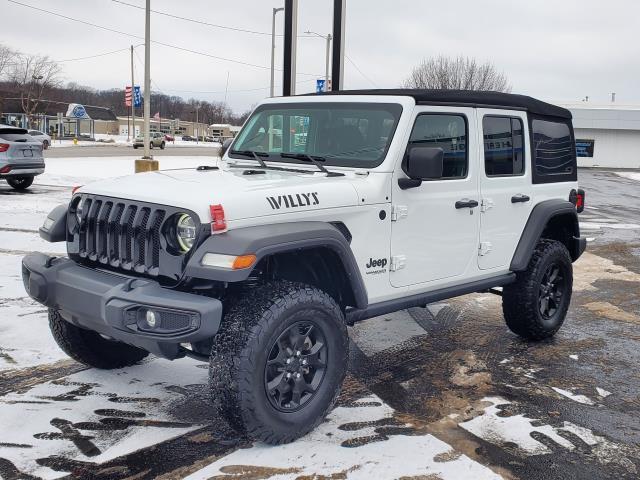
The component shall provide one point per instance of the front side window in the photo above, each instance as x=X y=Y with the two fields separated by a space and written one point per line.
x=503 y=146
x=339 y=134
x=554 y=150
x=448 y=132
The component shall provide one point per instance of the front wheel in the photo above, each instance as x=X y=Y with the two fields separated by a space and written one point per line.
x=20 y=183
x=278 y=362
x=536 y=304
x=91 y=348
x=162 y=145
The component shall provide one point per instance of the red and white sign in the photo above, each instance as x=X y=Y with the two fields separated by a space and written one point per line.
x=127 y=96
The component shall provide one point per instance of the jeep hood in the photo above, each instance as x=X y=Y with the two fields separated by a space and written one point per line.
x=242 y=195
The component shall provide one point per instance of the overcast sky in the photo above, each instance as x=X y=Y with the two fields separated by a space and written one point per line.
x=557 y=50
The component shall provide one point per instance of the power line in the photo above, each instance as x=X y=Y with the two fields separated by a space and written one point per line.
x=176 y=47
x=360 y=71
x=200 y=22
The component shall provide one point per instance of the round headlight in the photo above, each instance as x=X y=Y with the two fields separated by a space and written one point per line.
x=185 y=232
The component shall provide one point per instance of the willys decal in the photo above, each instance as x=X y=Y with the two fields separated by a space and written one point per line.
x=295 y=200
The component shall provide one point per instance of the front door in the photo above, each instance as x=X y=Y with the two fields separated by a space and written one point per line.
x=505 y=185
x=436 y=225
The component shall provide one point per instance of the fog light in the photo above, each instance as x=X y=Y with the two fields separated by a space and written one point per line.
x=151 y=318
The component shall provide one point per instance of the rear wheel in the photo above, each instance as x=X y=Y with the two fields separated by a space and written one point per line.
x=45 y=144
x=20 y=183
x=162 y=145
x=278 y=362
x=91 y=348
x=535 y=306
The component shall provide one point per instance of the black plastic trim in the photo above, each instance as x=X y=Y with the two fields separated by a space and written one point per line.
x=58 y=230
x=270 y=239
x=97 y=300
x=538 y=220
x=422 y=299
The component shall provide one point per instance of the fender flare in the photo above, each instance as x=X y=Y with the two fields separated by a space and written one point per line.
x=265 y=240
x=56 y=231
x=540 y=216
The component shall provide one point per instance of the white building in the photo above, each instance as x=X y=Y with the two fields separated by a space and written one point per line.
x=607 y=135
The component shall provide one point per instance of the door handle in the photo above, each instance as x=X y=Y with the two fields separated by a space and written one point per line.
x=466 y=203
x=520 y=198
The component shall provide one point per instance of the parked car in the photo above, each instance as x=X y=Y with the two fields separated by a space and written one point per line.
x=406 y=197
x=169 y=138
x=41 y=137
x=188 y=138
x=157 y=140
x=20 y=157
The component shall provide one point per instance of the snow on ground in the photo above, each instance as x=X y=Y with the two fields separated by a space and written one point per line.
x=79 y=171
x=95 y=415
x=347 y=446
x=103 y=140
x=630 y=175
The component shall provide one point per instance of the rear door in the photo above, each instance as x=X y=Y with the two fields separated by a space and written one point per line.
x=505 y=184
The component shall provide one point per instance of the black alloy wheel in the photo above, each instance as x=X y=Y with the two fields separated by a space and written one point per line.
x=295 y=367
x=552 y=287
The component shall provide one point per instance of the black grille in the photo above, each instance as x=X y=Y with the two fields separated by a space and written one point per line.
x=119 y=234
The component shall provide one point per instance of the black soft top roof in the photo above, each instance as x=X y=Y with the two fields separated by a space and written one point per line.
x=468 y=98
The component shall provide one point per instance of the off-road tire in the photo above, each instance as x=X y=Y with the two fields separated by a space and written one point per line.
x=20 y=183
x=521 y=299
x=90 y=348
x=240 y=352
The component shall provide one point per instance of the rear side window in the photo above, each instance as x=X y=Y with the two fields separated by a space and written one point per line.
x=14 y=135
x=503 y=146
x=554 y=151
x=448 y=132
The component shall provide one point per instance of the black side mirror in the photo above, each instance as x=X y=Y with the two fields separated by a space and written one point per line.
x=225 y=146
x=422 y=163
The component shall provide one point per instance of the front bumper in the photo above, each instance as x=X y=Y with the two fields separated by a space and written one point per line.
x=115 y=305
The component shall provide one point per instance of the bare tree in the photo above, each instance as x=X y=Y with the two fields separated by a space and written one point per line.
x=460 y=73
x=7 y=58
x=32 y=76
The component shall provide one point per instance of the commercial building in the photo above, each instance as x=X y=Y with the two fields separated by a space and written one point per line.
x=607 y=136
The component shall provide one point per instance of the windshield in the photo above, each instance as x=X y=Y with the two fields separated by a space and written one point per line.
x=340 y=134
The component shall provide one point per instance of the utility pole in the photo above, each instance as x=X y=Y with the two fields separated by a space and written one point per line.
x=273 y=50
x=147 y=80
x=339 y=13
x=133 y=104
x=290 y=47
x=147 y=163
x=327 y=66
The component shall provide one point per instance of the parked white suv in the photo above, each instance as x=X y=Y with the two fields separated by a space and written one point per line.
x=20 y=157
x=326 y=210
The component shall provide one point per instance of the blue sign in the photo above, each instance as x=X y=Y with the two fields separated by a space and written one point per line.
x=79 y=112
x=320 y=85
x=137 y=96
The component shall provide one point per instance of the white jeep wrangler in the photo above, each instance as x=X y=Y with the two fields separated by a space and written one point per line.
x=326 y=209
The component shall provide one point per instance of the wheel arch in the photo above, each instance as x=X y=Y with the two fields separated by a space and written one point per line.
x=553 y=219
x=317 y=253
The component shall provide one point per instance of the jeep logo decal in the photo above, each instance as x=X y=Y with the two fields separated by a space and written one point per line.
x=380 y=263
x=294 y=201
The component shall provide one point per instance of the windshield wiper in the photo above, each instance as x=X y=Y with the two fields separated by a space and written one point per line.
x=314 y=160
x=255 y=155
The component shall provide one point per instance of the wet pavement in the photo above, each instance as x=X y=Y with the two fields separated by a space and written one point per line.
x=432 y=393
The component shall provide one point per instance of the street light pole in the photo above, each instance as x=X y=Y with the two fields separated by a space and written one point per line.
x=273 y=50
x=328 y=39
x=147 y=80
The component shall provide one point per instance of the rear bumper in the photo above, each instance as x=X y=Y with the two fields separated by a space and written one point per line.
x=116 y=306
x=21 y=169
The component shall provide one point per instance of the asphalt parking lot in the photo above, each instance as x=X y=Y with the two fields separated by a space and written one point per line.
x=435 y=393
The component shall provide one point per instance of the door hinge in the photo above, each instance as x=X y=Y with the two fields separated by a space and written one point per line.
x=485 y=248
x=399 y=212
x=486 y=204
x=398 y=263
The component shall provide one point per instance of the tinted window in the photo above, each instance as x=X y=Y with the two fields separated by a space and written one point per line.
x=503 y=146
x=553 y=148
x=448 y=132
x=344 y=134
